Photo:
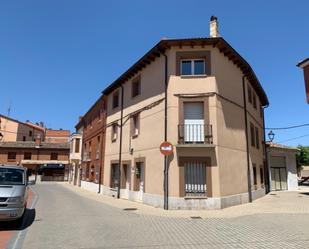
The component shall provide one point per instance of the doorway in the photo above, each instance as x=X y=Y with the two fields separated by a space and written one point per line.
x=194 y=122
x=278 y=173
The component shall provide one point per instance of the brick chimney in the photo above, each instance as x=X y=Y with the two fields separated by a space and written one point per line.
x=213 y=27
x=38 y=140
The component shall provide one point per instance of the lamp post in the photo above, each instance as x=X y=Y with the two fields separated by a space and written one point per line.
x=271 y=136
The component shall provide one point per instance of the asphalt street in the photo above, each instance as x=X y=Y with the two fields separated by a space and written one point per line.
x=64 y=219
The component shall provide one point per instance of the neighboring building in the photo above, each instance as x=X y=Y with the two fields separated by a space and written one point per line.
x=282 y=167
x=204 y=98
x=93 y=125
x=57 y=136
x=34 y=155
x=304 y=64
x=34 y=147
x=13 y=130
x=75 y=156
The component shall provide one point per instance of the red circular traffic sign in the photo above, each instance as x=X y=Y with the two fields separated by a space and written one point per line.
x=166 y=148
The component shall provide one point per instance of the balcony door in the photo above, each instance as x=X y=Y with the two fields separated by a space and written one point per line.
x=194 y=122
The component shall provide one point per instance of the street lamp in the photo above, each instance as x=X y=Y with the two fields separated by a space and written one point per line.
x=271 y=136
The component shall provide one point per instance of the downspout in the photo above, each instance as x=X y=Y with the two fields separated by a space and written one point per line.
x=165 y=138
x=120 y=144
x=247 y=142
x=266 y=169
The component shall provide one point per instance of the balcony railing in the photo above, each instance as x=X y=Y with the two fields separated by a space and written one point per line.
x=195 y=134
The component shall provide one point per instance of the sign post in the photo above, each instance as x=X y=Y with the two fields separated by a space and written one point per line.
x=166 y=148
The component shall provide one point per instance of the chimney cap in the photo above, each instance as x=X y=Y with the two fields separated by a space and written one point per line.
x=213 y=18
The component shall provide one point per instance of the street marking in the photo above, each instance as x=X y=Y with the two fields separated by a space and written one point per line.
x=19 y=238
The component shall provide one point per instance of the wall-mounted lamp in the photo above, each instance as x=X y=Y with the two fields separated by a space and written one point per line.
x=271 y=136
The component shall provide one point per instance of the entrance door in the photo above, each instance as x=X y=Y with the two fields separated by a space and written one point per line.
x=140 y=180
x=194 y=122
x=278 y=173
x=126 y=180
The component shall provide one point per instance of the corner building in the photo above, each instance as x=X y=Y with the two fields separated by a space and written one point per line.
x=215 y=106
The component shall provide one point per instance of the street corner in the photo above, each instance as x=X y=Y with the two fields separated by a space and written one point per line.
x=10 y=232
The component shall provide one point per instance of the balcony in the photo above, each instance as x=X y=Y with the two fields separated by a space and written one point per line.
x=195 y=134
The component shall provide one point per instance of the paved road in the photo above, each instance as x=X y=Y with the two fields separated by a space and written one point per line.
x=64 y=219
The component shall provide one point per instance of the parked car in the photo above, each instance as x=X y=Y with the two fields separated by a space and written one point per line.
x=13 y=193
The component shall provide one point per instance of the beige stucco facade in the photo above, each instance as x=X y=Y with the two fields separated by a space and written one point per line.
x=14 y=130
x=221 y=92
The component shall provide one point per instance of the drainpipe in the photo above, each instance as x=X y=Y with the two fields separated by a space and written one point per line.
x=247 y=142
x=266 y=169
x=120 y=143
x=165 y=139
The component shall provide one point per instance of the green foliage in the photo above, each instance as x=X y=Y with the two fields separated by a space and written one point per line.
x=302 y=157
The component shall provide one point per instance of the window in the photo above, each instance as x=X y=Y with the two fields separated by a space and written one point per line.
x=261 y=175
x=77 y=145
x=136 y=87
x=30 y=133
x=24 y=138
x=257 y=138
x=12 y=156
x=114 y=175
x=193 y=67
x=249 y=94
x=252 y=133
x=254 y=175
x=135 y=125
x=27 y=155
x=254 y=100
x=116 y=99
x=54 y=156
x=114 y=132
x=195 y=179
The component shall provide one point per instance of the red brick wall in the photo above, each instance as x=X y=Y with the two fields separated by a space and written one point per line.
x=41 y=154
x=94 y=127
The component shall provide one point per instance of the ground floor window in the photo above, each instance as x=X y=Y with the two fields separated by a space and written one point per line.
x=195 y=179
x=114 y=175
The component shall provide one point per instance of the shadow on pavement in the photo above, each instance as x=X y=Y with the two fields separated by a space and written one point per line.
x=304 y=193
x=28 y=219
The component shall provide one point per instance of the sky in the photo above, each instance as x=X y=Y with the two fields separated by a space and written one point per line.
x=56 y=56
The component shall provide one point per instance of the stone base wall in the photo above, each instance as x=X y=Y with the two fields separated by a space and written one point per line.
x=176 y=202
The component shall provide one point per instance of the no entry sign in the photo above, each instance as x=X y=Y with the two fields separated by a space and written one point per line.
x=166 y=148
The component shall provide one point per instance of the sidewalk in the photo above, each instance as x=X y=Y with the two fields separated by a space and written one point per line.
x=276 y=202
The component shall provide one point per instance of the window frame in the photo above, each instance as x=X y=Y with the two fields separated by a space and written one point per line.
x=135 y=125
x=252 y=134
x=257 y=138
x=193 y=67
x=27 y=153
x=134 y=82
x=77 y=145
x=12 y=159
x=52 y=156
x=114 y=132
x=254 y=174
x=115 y=93
x=249 y=94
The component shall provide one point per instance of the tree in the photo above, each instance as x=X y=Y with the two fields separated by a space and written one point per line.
x=302 y=157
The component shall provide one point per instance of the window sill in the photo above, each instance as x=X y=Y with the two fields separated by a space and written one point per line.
x=194 y=76
x=195 y=197
x=134 y=136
